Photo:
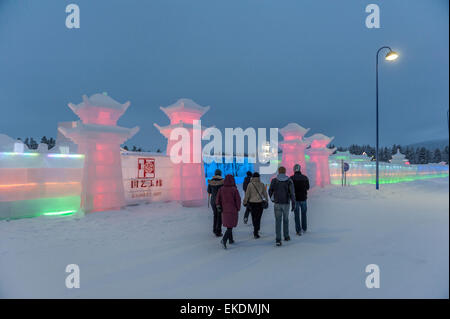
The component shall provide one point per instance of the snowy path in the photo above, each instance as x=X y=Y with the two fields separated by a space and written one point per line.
x=165 y=251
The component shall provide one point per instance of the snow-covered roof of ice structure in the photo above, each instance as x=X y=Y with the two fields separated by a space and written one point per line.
x=81 y=128
x=184 y=105
x=100 y=100
x=165 y=130
x=293 y=130
x=318 y=140
x=398 y=156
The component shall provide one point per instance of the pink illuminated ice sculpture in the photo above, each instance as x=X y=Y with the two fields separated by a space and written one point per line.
x=293 y=147
x=319 y=154
x=188 y=184
x=99 y=138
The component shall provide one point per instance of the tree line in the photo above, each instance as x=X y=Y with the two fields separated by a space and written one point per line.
x=418 y=155
x=32 y=144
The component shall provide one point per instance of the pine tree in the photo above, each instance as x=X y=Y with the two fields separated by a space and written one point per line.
x=395 y=147
x=125 y=148
x=33 y=144
x=51 y=143
x=437 y=158
x=44 y=140
x=445 y=155
x=429 y=157
x=386 y=157
x=422 y=156
x=409 y=154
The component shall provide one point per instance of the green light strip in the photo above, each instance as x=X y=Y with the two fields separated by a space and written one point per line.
x=63 y=213
x=371 y=180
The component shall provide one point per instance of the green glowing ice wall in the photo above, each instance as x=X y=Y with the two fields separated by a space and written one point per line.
x=36 y=184
x=55 y=206
x=363 y=172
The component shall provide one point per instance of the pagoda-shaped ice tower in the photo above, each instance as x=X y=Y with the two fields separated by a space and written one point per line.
x=399 y=158
x=99 y=138
x=319 y=154
x=293 y=147
x=188 y=184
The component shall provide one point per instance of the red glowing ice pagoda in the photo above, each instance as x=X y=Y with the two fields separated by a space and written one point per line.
x=99 y=138
x=319 y=154
x=188 y=185
x=293 y=147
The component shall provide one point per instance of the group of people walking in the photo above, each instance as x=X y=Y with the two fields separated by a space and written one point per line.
x=287 y=194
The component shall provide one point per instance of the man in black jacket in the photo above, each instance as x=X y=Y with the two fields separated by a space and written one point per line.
x=244 y=186
x=281 y=191
x=214 y=184
x=301 y=186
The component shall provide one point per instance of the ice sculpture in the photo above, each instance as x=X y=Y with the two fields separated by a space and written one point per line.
x=99 y=138
x=188 y=184
x=399 y=158
x=319 y=154
x=293 y=147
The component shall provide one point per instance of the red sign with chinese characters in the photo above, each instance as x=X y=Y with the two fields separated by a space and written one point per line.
x=146 y=168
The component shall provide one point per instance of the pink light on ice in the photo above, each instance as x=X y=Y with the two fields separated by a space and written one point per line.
x=319 y=154
x=99 y=138
x=293 y=147
x=188 y=183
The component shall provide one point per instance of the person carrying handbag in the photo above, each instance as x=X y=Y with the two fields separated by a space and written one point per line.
x=256 y=198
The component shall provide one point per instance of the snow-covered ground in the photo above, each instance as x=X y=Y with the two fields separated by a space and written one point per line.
x=165 y=251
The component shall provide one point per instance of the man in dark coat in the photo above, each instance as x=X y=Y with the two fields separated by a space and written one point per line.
x=214 y=184
x=228 y=201
x=301 y=186
x=244 y=186
x=281 y=191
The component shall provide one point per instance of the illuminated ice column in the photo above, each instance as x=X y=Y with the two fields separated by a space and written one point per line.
x=188 y=184
x=319 y=154
x=293 y=147
x=99 y=138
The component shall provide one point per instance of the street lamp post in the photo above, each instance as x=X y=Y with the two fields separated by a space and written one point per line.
x=390 y=56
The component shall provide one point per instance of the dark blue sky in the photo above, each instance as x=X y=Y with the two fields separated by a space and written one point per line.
x=259 y=63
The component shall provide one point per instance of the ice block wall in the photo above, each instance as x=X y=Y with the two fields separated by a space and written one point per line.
x=34 y=184
x=147 y=177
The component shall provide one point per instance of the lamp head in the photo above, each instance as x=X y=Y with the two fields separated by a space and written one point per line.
x=391 y=56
